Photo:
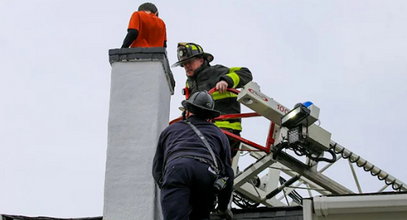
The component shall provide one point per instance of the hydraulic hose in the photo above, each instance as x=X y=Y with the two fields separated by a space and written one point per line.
x=388 y=179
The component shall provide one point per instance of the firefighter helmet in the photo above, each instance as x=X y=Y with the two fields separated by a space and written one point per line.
x=201 y=104
x=188 y=51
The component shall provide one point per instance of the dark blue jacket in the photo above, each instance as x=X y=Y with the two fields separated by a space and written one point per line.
x=179 y=140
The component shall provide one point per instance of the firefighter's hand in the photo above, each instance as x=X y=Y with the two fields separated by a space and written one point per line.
x=221 y=86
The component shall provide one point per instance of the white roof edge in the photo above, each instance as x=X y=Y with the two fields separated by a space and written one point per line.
x=324 y=206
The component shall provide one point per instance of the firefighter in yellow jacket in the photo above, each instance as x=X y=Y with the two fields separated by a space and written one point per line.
x=202 y=76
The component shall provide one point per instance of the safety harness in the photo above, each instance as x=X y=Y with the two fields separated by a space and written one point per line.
x=213 y=165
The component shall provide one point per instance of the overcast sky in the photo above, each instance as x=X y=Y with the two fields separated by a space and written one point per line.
x=346 y=56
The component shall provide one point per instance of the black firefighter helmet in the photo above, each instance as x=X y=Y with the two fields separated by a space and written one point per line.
x=201 y=104
x=188 y=51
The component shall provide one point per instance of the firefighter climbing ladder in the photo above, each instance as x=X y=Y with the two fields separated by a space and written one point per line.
x=296 y=155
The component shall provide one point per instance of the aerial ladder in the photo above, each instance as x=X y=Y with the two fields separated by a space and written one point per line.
x=294 y=161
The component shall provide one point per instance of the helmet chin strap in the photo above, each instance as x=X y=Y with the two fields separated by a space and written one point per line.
x=184 y=113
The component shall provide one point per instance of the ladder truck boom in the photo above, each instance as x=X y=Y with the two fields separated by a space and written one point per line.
x=298 y=150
